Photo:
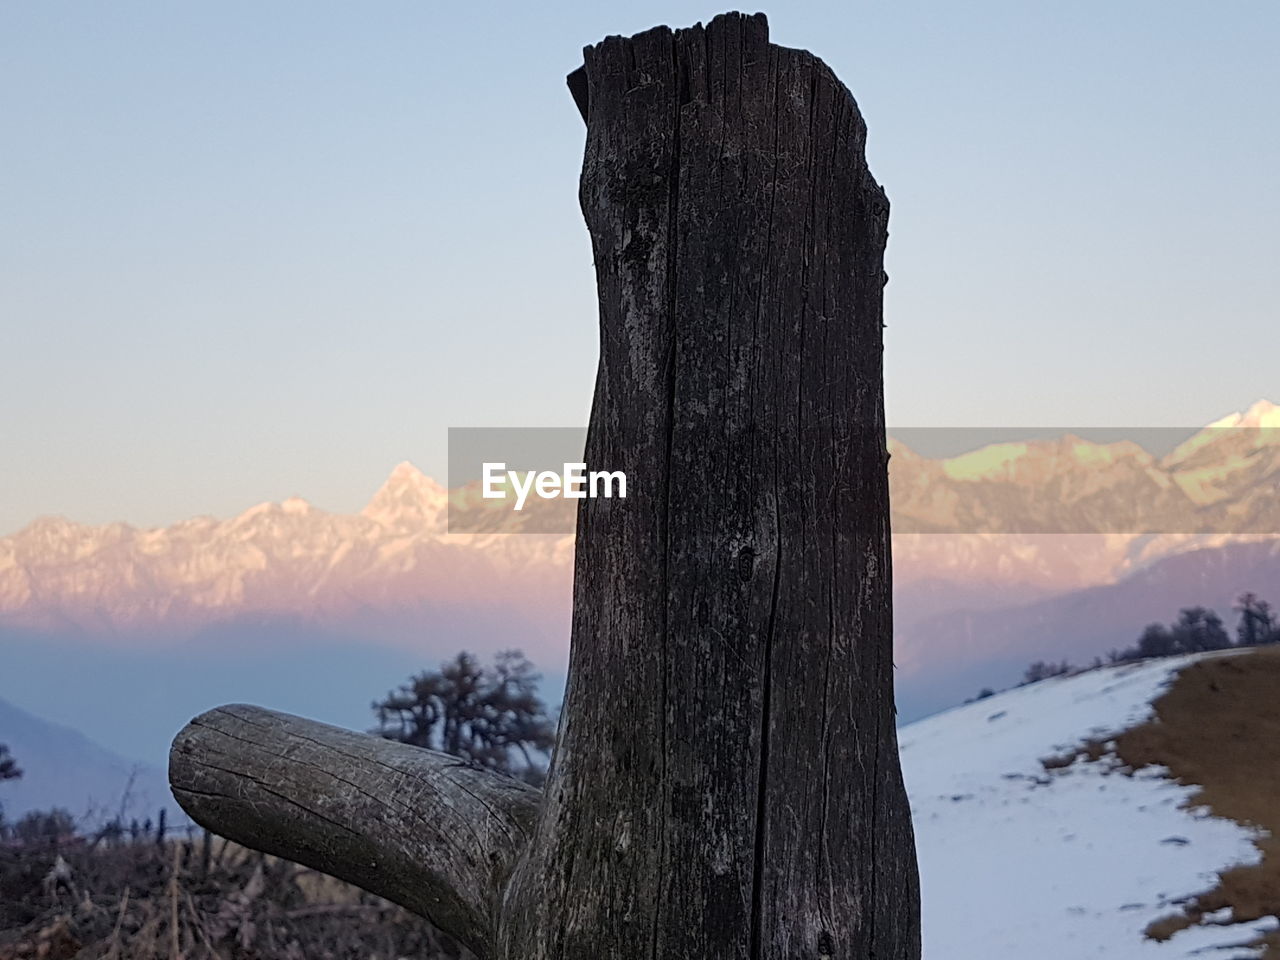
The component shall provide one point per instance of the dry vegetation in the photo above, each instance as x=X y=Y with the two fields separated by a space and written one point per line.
x=137 y=898
x=1218 y=728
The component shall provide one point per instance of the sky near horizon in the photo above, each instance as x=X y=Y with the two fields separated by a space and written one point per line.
x=249 y=251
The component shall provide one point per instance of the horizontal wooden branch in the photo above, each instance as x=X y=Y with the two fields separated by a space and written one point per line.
x=421 y=828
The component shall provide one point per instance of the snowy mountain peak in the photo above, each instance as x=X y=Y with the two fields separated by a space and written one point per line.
x=406 y=472
x=1227 y=440
x=409 y=501
x=1263 y=413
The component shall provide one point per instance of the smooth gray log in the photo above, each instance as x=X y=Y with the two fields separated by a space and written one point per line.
x=421 y=828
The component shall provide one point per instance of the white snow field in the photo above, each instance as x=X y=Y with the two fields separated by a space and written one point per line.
x=1018 y=863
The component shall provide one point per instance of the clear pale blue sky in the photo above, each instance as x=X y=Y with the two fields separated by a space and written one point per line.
x=249 y=250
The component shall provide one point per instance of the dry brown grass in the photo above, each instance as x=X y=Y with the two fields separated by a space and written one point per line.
x=193 y=899
x=1217 y=728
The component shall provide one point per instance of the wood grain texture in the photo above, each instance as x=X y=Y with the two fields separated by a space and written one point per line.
x=421 y=828
x=725 y=784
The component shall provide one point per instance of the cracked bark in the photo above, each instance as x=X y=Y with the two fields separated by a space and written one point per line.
x=418 y=827
x=726 y=780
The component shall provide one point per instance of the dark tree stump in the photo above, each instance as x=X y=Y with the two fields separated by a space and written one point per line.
x=726 y=782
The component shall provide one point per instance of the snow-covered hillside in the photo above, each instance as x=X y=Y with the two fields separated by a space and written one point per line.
x=1018 y=862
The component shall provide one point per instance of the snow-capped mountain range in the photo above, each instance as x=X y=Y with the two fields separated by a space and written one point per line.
x=1009 y=522
x=1221 y=480
x=286 y=559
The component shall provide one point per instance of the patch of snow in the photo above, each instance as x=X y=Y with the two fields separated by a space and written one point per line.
x=1017 y=861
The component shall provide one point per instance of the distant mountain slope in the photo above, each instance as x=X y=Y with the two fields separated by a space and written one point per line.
x=1017 y=861
x=1083 y=624
x=132 y=698
x=64 y=768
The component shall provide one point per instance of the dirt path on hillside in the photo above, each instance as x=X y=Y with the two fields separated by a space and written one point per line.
x=1218 y=728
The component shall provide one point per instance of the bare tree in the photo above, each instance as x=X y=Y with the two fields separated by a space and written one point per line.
x=1199 y=629
x=491 y=716
x=1257 y=622
x=725 y=782
x=9 y=769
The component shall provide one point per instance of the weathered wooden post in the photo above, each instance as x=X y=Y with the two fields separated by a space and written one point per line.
x=726 y=779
